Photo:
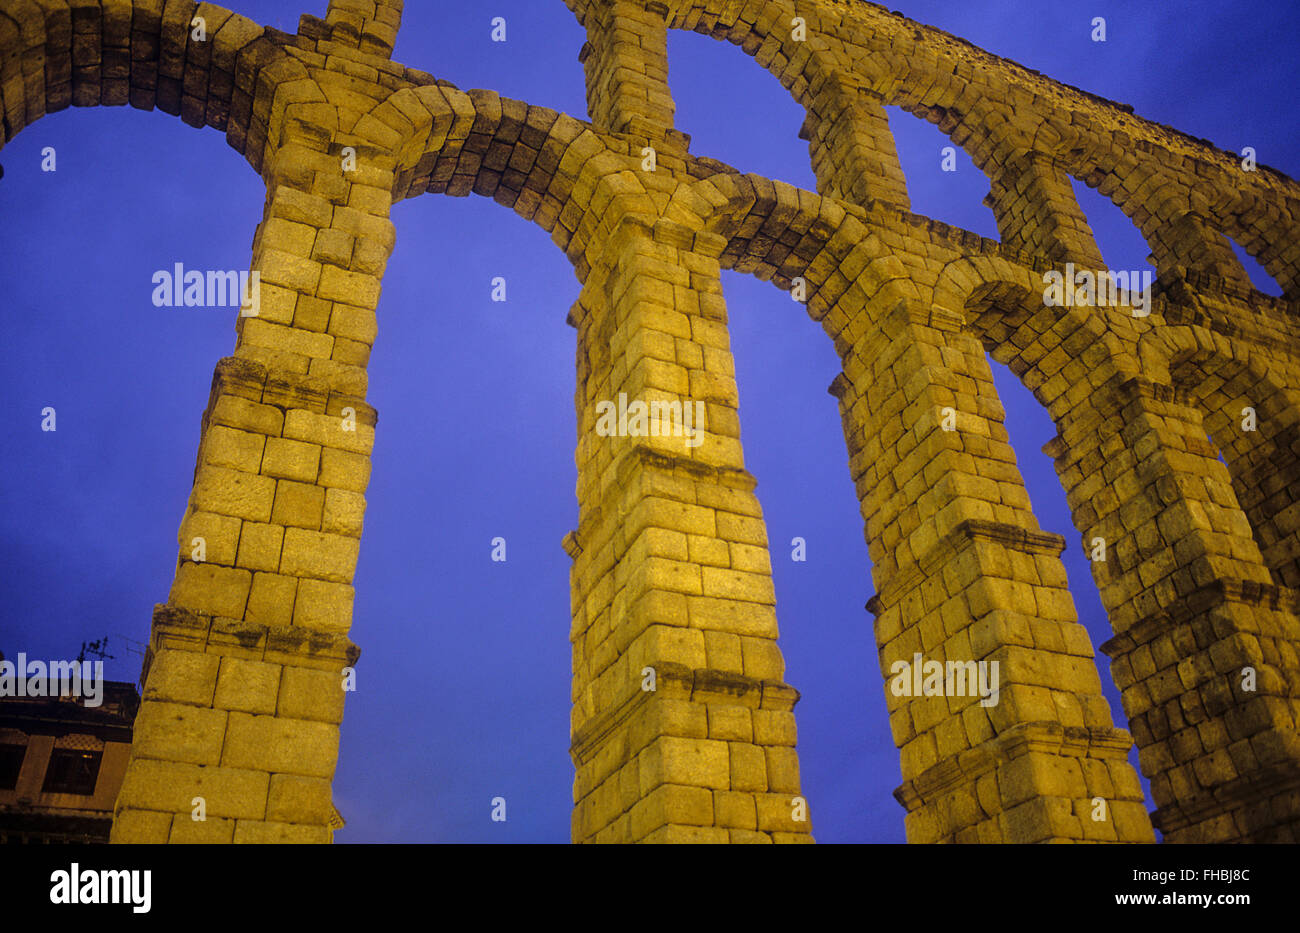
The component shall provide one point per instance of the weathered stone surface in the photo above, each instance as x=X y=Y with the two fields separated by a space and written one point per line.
x=683 y=729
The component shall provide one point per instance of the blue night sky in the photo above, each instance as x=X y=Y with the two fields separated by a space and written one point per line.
x=463 y=684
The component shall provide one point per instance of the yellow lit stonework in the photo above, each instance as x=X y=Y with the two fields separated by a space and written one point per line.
x=683 y=726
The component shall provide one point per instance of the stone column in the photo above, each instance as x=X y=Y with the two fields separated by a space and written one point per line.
x=626 y=62
x=853 y=153
x=1265 y=465
x=683 y=729
x=1205 y=648
x=966 y=578
x=1038 y=213
x=244 y=679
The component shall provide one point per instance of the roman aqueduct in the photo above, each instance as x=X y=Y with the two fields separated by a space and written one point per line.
x=242 y=700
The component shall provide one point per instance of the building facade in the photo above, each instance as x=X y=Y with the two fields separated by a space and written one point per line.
x=62 y=764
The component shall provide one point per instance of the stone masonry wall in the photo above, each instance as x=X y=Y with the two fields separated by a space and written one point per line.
x=683 y=725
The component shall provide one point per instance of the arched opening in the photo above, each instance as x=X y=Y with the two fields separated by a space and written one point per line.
x=1121 y=243
x=93 y=507
x=734 y=111
x=1001 y=313
x=794 y=446
x=537 y=62
x=1030 y=427
x=942 y=181
x=89 y=527
x=1255 y=271
x=465 y=676
x=1250 y=423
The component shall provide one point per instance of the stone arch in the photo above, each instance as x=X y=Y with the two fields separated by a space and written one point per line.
x=905 y=357
x=755 y=27
x=908 y=58
x=1186 y=227
x=777 y=232
x=1222 y=376
x=530 y=159
x=772 y=229
x=1002 y=303
x=139 y=54
x=939 y=77
x=915 y=67
x=1154 y=175
x=829 y=76
x=852 y=148
x=1119 y=392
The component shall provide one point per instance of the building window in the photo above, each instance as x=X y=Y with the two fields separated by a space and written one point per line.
x=72 y=771
x=11 y=761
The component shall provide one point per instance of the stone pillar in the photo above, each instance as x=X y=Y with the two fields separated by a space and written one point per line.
x=852 y=147
x=244 y=679
x=966 y=578
x=683 y=729
x=1038 y=213
x=626 y=63
x=1205 y=648
x=1265 y=465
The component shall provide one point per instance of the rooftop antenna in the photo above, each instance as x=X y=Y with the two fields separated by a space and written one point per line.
x=95 y=648
x=132 y=646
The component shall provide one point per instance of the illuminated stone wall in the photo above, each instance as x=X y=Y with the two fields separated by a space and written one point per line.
x=683 y=724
